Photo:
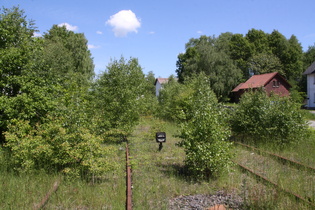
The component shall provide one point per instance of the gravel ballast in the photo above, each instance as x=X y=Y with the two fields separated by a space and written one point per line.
x=201 y=202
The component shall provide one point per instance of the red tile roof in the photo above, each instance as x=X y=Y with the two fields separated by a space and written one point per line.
x=256 y=81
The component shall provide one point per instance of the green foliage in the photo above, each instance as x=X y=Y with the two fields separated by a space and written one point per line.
x=172 y=101
x=46 y=114
x=205 y=132
x=239 y=56
x=66 y=55
x=148 y=103
x=150 y=80
x=202 y=56
x=18 y=62
x=271 y=119
x=265 y=63
x=309 y=56
x=119 y=93
x=240 y=51
x=52 y=145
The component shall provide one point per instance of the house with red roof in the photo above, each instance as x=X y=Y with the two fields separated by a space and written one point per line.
x=270 y=82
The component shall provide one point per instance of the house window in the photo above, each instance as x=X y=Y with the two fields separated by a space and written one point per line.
x=276 y=83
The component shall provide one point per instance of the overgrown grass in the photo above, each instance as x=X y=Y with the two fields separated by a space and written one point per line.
x=288 y=177
x=159 y=176
x=309 y=115
x=295 y=180
x=302 y=150
x=24 y=191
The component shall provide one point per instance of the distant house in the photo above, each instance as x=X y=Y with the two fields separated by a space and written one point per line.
x=158 y=84
x=310 y=72
x=271 y=82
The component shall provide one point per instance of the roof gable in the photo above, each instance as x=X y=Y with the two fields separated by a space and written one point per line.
x=161 y=80
x=310 y=69
x=237 y=88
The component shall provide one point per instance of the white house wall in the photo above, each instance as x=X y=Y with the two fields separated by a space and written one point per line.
x=158 y=86
x=311 y=90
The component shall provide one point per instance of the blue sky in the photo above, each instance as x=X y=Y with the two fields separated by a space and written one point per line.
x=155 y=32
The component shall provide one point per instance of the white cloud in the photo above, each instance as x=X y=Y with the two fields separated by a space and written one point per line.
x=99 y=32
x=68 y=26
x=152 y=32
x=91 y=46
x=199 y=32
x=124 y=22
x=35 y=34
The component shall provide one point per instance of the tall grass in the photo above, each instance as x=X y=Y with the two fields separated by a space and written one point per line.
x=309 y=115
x=24 y=191
x=159 y=176
x=298 y=181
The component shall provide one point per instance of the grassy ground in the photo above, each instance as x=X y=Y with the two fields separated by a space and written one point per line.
x=159 y=176
x=295 y=180
x=27 y=190
x=308 y=114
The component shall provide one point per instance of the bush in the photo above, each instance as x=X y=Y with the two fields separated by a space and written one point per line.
x=171 y=100
x=53 y=147
x=268 y=119
x=205 y=132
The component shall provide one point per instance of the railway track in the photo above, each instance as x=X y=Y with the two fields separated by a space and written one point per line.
x=128 y=181
x=263 y=157
x=45 y=199
x=291 y=162
x=267 y=170
x=55 y=186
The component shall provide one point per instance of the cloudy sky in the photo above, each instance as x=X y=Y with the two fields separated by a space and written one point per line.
x=155 y=32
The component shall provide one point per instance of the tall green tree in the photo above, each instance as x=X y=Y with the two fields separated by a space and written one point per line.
x=18 y=66
x=202 y=56
x=241 y=51
x=289 y=52
x=16 y=45
x=150 y=78
x=294 y=63
x=172 y=100
x=258 y=40
x=118 y=93
x=309 y=56
x=67 y=56
x=265 y=63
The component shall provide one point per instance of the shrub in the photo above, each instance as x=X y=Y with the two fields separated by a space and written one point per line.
x=171 y=99
x=269 y=119
x=51 y=146
x=205 y=132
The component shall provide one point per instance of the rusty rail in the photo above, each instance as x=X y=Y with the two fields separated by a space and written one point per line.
x=292 y=162
x=47 y=196
x=296 y=196
x=128 y=181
